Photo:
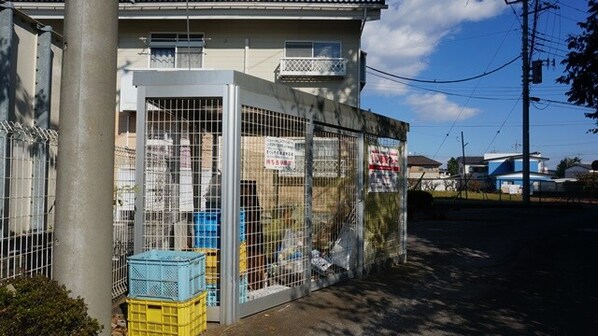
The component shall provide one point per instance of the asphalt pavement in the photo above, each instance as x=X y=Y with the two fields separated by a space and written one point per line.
x=480 y=270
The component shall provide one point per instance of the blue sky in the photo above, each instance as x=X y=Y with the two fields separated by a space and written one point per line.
x=455 y=39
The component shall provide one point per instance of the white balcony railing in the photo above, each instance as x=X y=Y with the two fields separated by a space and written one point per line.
x=311 y=66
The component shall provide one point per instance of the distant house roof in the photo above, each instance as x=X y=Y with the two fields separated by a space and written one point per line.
x=381 y=2
x=582 y=165
x=536 y=156
x=472 y=160
x=422 y=161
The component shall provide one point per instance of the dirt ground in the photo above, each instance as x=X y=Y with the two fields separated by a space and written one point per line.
x=479 y=271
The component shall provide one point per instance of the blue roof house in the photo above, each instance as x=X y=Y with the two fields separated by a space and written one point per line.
x=507 y=169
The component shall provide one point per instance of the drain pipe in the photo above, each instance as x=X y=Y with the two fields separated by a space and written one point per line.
x=85 y=173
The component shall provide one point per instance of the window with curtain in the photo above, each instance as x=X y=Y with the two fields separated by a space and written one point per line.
x=313 y=49
x=176 y=50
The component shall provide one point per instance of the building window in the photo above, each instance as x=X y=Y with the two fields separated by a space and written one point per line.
x=326 y=162
x=313 y=49
x=306 y=58
x=176 y=50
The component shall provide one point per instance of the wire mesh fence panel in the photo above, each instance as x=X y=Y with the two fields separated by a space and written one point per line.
x=28 y=181
x=124 y=217
x=182 y=160
x=384 y=223
x=334 y=197
x=273 y=202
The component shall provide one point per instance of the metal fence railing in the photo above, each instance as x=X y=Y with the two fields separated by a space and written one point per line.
x=556 y=190
x=28 y=169
x=28 y=184
x=313 y=66
x=124 y=214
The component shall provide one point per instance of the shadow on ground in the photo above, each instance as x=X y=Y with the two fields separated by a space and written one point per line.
x=501 y=271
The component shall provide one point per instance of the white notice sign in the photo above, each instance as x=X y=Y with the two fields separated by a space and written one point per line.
x=384 y=169
x=279 y=154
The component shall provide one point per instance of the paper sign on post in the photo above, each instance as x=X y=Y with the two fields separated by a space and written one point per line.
x=279 y=154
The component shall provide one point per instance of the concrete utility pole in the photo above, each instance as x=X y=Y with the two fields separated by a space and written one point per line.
x=463 y=144
x=83 y=241
x=525 y=99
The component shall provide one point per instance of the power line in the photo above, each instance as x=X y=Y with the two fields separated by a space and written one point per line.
x=503 y=124
x=438 y=91
x=445 y=81
x=564 y=103
x=571 y=7
x=508 y=125
x=474 y=89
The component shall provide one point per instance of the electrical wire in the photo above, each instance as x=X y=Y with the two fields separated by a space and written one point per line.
x=434 y=81
x=502 y=125
x=437 y=91
x=566 y=103
x=474 y=89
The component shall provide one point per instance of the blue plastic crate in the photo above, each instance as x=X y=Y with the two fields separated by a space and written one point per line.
x=207 y=229
x=167 y=275
x=214 y=294
x=244 y=289
x=242 y=225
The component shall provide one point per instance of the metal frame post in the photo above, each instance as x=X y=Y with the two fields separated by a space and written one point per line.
x=359 y=216
x=6 y=96
x=230 y=210
x=308 y=211
x=6 y=37
x=43 y=80
x=403 y=195
x=138 y=228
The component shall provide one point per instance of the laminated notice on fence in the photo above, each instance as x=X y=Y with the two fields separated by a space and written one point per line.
x=279 y=154
x=383 y=169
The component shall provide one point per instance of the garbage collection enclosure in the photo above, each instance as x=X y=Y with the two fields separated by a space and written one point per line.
x=284 y=192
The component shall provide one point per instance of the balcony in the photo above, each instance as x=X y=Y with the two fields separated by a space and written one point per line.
x=312 y=67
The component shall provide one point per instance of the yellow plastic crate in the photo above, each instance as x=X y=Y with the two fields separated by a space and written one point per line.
x=163 y=318
x=243 y=258
x=213 y=262
x=212 y=265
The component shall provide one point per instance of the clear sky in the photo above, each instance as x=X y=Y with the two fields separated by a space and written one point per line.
x=455 y=39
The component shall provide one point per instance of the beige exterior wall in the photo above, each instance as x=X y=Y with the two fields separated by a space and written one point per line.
x=226 y=48
x=415 y=172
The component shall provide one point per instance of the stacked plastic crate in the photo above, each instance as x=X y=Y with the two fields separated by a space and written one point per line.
x=167 y=293
x=207 y=241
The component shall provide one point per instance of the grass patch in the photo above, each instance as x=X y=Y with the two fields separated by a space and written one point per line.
x=472 y=195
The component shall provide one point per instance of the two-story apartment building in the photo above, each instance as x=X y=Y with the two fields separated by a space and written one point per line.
x=419 y=166
x=311 y=45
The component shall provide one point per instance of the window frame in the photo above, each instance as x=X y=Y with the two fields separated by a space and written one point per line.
x=313 y=49
x=177 y=41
